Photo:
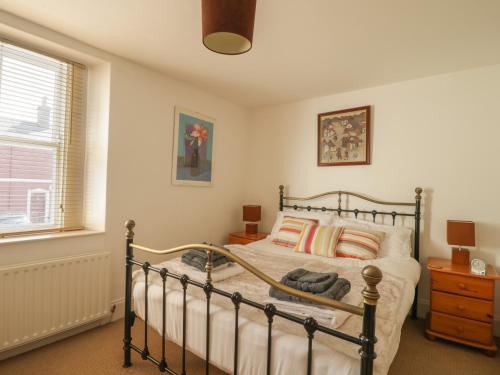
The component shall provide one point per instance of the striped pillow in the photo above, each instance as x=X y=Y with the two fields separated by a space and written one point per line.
x=290 y=231
x=359 y=243
x=318 y=240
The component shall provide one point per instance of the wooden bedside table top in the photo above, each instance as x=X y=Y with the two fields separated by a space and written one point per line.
x=249 y=236
x=445 y=265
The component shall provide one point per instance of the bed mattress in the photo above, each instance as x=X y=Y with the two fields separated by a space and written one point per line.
x=289 y=343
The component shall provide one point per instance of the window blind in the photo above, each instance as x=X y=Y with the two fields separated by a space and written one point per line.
x=42 y=142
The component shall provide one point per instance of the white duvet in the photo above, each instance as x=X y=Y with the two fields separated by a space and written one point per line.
x=289 y=350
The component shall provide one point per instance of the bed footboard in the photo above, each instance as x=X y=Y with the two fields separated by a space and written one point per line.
x=366 y=340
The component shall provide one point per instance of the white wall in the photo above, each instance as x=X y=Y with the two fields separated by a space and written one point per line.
x=139 y=161
x=441 y=133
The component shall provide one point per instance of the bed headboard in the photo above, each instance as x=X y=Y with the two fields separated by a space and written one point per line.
x=342 y=206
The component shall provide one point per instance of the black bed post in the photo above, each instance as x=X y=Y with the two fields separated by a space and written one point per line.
x=127 y=336
x=372 y=276
x=281 y=197
x=416 y=251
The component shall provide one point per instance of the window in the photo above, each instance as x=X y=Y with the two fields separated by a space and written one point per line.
x=42 y=142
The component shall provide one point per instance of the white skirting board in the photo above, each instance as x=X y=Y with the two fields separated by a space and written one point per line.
x=50 y=339
x=46 y=298
x=118 y=309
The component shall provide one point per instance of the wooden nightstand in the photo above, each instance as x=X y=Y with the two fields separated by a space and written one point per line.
x=242 y=238
x=462 y=305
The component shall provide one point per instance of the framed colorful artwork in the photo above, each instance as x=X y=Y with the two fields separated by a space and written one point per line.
x=193 y=162
x=344 y=137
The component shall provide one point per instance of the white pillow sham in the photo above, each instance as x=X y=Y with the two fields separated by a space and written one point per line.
x=324 y=218
x=397 y=239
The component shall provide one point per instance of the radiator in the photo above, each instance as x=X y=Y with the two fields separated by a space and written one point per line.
x=41 y=299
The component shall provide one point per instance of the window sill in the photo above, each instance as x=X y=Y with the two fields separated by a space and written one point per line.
x=49 y=236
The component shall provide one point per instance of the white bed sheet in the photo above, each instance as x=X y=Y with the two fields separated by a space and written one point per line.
x=289 y=352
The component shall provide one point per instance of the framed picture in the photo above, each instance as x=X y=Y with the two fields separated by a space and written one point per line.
x=193 y=162
x=344 y=137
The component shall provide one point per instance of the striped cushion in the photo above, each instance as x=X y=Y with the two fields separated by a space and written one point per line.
x=290 y=231
x=359 y=243
x=318 y=240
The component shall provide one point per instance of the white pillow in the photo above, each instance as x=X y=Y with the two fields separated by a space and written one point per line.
x=324 y=218
x=397 y=239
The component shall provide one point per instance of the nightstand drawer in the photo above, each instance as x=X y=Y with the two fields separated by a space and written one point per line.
x=463 y=285
x=465 y=307
x=234 y=240
x=462 y=328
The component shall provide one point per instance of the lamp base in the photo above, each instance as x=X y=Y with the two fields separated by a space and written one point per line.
x=459 y=256
x=251 y=228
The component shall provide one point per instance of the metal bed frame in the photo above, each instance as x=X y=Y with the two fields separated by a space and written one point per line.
x=371 y=274
x=417 y=215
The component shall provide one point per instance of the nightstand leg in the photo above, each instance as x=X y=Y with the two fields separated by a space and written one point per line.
x=490 y=353
x=430 y=337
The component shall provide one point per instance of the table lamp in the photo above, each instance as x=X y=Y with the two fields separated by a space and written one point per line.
x=251 y=215
x=460 y=233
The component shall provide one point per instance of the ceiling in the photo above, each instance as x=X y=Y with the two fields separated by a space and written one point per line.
x=302 y=48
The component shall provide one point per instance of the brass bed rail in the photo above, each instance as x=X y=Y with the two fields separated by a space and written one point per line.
x=366 y=340
x=369 y=270
x=348 y=193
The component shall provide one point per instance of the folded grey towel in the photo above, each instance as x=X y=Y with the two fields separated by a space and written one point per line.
x=202 y=254
x=337 y=291
x=308 y=281
x=198 y=259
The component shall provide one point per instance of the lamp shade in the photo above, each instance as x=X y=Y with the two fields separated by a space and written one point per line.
x=251 y=213
x=228 y=25
x=461 y=233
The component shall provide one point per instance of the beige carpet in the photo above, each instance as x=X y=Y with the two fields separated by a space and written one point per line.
x=98 y=352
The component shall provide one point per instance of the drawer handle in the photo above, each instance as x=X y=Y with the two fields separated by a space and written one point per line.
x=460 y=329
x=460 y=307
x=462 y=286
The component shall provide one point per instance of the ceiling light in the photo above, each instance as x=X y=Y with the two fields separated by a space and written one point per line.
x=228 y=25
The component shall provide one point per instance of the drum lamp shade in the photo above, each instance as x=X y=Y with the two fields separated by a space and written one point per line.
x=227 y=25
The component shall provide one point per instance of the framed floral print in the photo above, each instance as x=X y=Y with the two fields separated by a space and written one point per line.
x=344 y=137
x=193 y=162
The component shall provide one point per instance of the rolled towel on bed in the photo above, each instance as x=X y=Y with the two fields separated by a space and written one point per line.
x=336 y=291
x=308 y=281
x=198 y=258
x=203 y=254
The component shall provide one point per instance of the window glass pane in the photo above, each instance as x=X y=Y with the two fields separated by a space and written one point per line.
x=32 y=97
x=27 y=185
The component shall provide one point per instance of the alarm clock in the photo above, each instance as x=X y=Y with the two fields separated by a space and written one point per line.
x=478 y=267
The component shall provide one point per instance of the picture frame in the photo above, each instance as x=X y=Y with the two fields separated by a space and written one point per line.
x=344 y=137
x=193 y=144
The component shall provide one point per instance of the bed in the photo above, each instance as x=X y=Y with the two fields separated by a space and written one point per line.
x=248 y=332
